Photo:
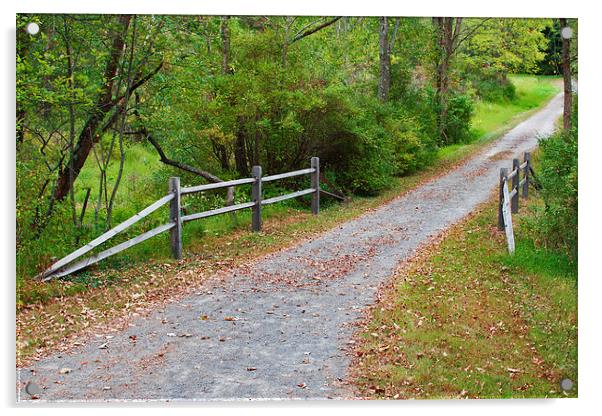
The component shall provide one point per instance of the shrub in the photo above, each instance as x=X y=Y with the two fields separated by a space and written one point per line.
x=492 y=86
x=459 y=112
x=360 y=148
x=556 y=224
x=413 y=148
x=365 y=142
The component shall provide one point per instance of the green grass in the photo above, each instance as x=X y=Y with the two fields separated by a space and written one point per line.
x=140 y=164
x=468 y=320
x=531 y=92
x=491 y=120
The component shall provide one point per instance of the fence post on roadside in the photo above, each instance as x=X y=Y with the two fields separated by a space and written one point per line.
x=527 y=175
x=174 y=217
x=515 y=182
x=315 y=184
x=500 y=211
x=256 y=197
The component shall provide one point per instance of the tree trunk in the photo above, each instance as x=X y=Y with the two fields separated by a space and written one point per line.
x=566 y=75
x=240 y=150
x=445 y=45
x=384 y=83
x=220 y=149
x=23 y=44
x=225 y=34
x=88 y=136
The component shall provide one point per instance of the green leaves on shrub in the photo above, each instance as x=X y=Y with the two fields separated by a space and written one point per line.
x=557 y=223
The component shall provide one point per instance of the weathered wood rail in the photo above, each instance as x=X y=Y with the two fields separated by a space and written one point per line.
x=509 y=200
x=68 y=264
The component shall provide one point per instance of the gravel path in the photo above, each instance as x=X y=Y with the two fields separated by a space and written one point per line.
x=278 y=330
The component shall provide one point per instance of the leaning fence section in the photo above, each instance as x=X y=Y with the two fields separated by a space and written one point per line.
x=70 y=263
x=509 y=199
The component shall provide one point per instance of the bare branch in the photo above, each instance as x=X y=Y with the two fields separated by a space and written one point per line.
x=309 y=32
x=469 y=34
x=163 y=157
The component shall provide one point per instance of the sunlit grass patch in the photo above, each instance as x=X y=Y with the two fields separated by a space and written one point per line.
x=531 y=92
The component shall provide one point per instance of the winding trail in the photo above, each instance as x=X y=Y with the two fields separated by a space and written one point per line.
x=278 y=329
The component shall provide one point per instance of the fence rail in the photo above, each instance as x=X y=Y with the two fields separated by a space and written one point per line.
x=68 y=264
x=509 y=200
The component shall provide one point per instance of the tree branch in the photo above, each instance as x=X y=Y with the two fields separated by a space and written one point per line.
x=394 y=35
x=469 y=34
x=163 y=157
x=308 y=32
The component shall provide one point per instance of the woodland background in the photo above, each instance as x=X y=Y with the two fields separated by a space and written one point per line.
x=110 y=106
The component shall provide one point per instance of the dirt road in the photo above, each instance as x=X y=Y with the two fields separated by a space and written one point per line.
x=278 y=329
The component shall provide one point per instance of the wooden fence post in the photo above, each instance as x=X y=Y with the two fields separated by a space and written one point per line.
x=175 y=217
x=515 y=182
x=500 y=212
x=315 y=184
x=256 y=197
x=508 y=221
x=527 y=168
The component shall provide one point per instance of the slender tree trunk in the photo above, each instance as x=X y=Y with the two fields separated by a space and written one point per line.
x=71 y=107
x=225 y=34
x=394 y=34
x=240 y=150
x=384 y=83
x=23 y=45
x=445 y=45
x=566 y=75
x=88 y=135
x=220 y=149
x=20 y=113
x=129 y=83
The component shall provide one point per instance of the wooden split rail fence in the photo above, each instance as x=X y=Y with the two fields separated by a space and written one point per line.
x=68 y=264
x=509 y=199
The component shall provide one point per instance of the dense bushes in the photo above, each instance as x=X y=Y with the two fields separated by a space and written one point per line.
x=459 y=112
x=557 y=223
x=368 y=142
x=493 y=87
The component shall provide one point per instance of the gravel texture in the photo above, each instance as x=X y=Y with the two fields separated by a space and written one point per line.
x=278 y=328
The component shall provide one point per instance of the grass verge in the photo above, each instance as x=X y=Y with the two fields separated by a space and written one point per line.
x=466 y=320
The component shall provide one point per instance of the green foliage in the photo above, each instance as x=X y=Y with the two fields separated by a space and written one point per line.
x=551 y=64
x=276 y=103
x=506 y=45
x=460 y=109
x=531 y=92
x=492 y=86
x=556 y=226
x=367 y=143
